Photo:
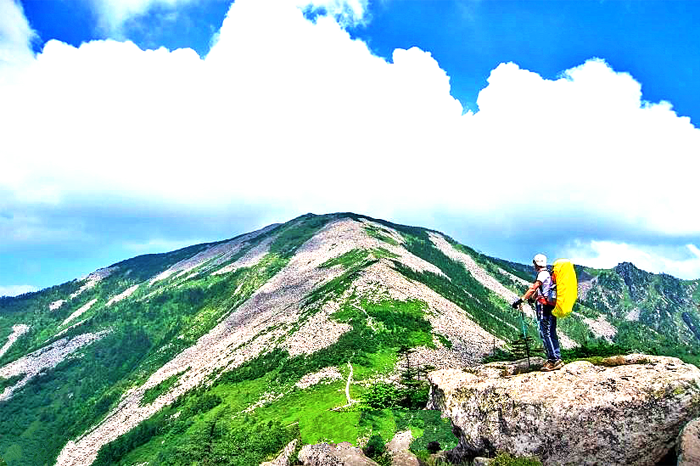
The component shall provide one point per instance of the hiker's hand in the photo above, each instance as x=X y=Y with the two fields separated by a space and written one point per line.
x=516 y=304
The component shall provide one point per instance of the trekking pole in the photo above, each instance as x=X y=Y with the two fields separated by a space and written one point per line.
x=524 y=328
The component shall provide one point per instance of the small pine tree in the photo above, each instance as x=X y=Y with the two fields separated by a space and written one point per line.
x=406 y=351
x=524 y=347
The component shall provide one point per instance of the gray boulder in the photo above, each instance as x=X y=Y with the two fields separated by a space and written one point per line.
x=330 y=454
x=479 y=461
x=628 y=410
x=688 y=448
x=398 y=449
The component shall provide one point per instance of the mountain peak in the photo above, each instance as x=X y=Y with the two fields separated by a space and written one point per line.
x=320 y=308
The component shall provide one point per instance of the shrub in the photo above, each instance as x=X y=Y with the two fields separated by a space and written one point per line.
x=434 y=447
x=506 y=459
x=602 y=350
x=375 y=447
x=383 y=395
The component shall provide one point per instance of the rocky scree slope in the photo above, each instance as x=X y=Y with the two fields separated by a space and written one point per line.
x=262 y=332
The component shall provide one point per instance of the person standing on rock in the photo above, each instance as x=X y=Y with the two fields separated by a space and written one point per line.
x=543 y=290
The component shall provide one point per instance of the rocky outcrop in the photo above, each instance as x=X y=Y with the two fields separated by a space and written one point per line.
x=688 y=448
x=398 y=449
x=331 y=454
x=327 y=374
x=93 y=279
x=628 y=410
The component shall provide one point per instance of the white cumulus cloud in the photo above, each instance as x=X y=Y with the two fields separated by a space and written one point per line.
x=15 y=35
x=15 y=290
x=113 y=14
x=295 y=115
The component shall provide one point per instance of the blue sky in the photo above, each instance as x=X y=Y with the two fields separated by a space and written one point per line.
x=567 y=127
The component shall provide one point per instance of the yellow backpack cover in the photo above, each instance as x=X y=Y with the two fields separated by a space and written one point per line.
x=564 y=276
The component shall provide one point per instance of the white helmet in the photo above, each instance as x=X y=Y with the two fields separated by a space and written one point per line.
x=540 y=260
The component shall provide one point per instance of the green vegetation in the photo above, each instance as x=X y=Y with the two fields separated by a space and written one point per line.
x=310 y=411
x=380 y=234
x=216 y=439
x=427 y=459
x=151 y=394
x=349 y=259
x=4 y=383
x=382 y=253
x=599 y=350
x=386 y=395
x=295 y=233
x=63 y=402
x=146 y=330
x=499 y=269
x=444 y=341
x=376 y=450
x=506 y=459
x=147 y=266
x=397 y=323
x=596 y=352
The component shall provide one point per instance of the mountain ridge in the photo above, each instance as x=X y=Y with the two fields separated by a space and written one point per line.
x=308 y=299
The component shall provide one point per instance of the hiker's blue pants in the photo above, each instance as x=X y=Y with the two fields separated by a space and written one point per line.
x=548 y=331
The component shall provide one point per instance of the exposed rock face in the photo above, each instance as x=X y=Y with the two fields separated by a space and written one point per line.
x=601 y=328
x=123 y=295
x=398 y=448
x=93 y=279
x=329 y=454
x=327 y=374
x=479 y=461
x=215 y=254
x=688 y=448
x=42 y=359
x=80 y=311
x=582 y=414
x=17 y=331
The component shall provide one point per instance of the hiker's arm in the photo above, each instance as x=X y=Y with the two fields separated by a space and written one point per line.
x=532 y=290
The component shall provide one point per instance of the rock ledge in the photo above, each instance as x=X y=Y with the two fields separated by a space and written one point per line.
x=628 y=411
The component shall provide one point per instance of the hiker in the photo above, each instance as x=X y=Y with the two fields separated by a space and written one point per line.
x=544 y=294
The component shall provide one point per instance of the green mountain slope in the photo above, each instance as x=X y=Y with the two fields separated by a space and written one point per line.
x=226 y=351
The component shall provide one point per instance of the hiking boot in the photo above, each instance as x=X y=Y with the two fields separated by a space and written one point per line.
x=558 y=364
x=547 y=366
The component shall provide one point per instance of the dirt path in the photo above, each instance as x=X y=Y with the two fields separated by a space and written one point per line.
x=347 y=387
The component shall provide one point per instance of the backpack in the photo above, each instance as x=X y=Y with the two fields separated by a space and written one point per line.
x=566 y=285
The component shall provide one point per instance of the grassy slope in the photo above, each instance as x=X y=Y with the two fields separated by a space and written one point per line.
x=306 y=414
